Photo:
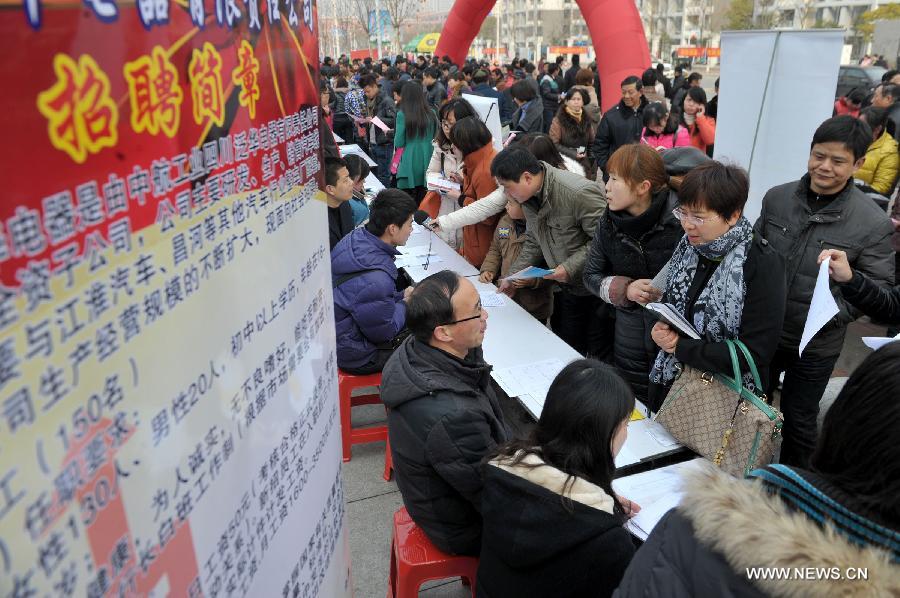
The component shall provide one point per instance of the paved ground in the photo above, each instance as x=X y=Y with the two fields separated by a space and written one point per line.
x=371 y=501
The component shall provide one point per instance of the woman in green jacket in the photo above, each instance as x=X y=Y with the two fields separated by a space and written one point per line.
x=416 y=124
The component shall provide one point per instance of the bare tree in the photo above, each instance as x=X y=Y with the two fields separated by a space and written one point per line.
x=361 y=10
x=401 y=12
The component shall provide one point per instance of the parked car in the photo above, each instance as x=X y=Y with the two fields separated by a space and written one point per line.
x=851 y=76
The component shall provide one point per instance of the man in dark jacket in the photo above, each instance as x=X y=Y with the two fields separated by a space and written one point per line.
x=381 y=143
x=435 y=92
x=550 y=90
x=621 y=125
x=880 y=303
x=887 y=96
x=444 y=417
x=369 y=310
x=820 y=211
x=569 y=79
x=482 y=87
x=338 y=193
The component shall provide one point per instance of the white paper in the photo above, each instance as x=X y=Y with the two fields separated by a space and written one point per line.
x=488 y=110
x=656 y=492
x=436 y=182
x=673 y=318
x=532 y=379
x=415 y=261
x=877 y=342
x=337 y=138
x=380 y=124
x=492 y=299
x=822 y=307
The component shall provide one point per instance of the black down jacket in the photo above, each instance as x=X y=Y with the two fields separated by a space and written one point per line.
x=880 y=303
x=850 y=222
x=620 y=126
x=444 y=419
x=632 y=248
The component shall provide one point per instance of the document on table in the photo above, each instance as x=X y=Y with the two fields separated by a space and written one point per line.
x=822 y=307
x=380 y=124
x=529 y=272
x=656 y=491
x=877 y=342
x=646 y=439
x=489 y=299
x=532 y=379
x=668 y=314
x=408 y=261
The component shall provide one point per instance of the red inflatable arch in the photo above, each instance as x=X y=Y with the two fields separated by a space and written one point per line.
x=615 y=27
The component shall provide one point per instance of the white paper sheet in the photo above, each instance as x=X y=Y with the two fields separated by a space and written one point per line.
x=380 y=124
x=415 y=261
x=352 y=148
x=822 y=307
x=492 y=299
x=532 y=379
x=656 y=491
x=337 y=138
x=877 y=342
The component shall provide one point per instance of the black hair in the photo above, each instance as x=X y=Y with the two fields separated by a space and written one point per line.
x=695 y=93
x=576 y=59
x=479 y=77
x=522 y=91
x=857 y=449
x=660 y=67
x=431 y=304
x=648 y=78
x=432 y=72
x=694 y=77
x=552 y=68
x=367 y=80
x=722 y=188
x=632 y=80
x=585 y=405
x=470 y=135
x=656 y=113
x=542 y=147
x=888 y=75
x=390 y=206
x=855 y=134
x=717 y=83
x=528 y=67
x=460 y=108
x=889 y=89
x=513 y=162
x=857 y=95
x=332 y=166
x=679 y=69
x=418 y=115
x=874 y=116
x=357 y=167
x=397 y=87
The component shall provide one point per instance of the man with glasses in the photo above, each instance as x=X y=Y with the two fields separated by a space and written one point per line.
x=444 y=417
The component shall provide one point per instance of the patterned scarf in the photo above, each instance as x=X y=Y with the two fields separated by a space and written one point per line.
x=718 y=309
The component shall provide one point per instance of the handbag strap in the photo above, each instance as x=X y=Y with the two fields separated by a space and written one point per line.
x=749 y=358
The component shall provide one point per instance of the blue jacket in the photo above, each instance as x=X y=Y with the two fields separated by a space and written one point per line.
x=368 y=309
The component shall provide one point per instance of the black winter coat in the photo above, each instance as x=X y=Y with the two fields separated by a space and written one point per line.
x=880 y=303
x=620 y=126
x=533 y=547
x=850 y=222
x=633 y=248
x=387 y=112
x=443 y=420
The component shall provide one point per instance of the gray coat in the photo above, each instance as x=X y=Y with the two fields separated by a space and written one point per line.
x=851 y=222
x=561 y=220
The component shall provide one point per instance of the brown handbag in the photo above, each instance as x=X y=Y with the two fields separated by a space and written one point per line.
x=719 y=418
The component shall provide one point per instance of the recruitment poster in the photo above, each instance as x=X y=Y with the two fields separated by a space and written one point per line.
x=168 y=421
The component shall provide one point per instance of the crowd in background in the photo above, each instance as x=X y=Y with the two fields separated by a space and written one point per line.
x=624 y=207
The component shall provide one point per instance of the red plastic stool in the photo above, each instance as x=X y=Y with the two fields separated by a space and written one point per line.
x=415 y=560
x=347 y=383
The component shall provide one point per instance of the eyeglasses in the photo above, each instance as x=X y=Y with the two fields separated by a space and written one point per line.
x=475 y=317
x=695 y=220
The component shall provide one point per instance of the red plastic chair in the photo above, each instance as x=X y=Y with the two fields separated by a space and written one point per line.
x=347 y=383
x=415 y=560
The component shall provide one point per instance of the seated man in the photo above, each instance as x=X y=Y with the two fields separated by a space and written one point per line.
x=369 y=310
x=338 y=192
x=444 y=416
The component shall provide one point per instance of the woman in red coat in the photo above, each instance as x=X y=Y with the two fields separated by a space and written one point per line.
x=472 y=142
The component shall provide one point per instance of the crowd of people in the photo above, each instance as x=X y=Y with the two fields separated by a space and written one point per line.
x=625 y=208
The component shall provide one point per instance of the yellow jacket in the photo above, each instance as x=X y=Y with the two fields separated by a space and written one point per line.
x=882 y=162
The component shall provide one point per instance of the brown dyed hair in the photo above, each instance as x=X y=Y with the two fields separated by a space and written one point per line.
x=584 y=77
x=636 y=163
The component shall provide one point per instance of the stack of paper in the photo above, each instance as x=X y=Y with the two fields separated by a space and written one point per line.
x=435 y=182
x=646 y=438
x=667 y=313
x=529 y=382
x=656 y=491
x=489 y=299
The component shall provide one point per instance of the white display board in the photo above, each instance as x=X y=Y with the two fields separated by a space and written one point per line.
x=488 y=110
x=776 y=88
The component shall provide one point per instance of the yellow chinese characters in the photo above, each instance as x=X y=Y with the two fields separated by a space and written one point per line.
x=82 y=117
x=155 y=94
x=246 y=74
x=205 y=72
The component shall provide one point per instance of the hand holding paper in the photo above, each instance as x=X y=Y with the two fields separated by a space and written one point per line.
x=822 y=307
x=529 y=272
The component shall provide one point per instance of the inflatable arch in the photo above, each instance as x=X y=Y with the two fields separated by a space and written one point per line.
x=615 y=27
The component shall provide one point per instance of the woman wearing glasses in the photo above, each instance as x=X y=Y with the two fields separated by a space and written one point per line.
x=634 y=239
x=724 y=280
x=445 y=165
